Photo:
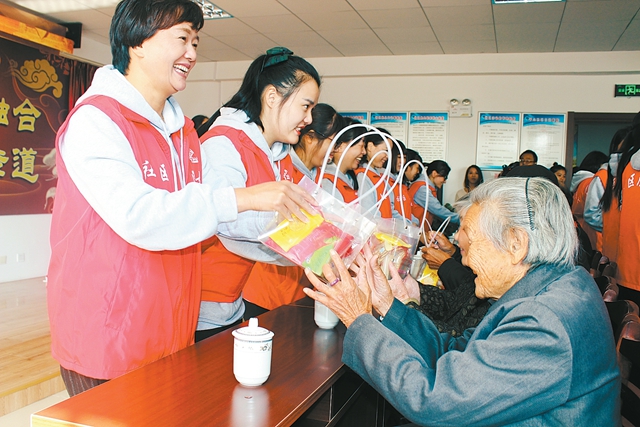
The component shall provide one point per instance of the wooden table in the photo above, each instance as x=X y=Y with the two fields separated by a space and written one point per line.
x=196 y=386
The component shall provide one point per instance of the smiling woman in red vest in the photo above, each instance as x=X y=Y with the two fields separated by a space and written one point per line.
x=135 y=198
x=270 y=285
x=249 y=134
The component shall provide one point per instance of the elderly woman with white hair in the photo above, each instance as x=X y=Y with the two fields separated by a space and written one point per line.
x=544 y=353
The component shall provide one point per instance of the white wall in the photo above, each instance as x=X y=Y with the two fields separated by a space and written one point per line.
x=549 y=82
x=26 y=235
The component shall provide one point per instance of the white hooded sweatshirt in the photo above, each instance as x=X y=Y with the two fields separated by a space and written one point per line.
x=103 y=167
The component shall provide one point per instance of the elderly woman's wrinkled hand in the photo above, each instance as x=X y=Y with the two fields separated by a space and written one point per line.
x=405 y=290
x=434 y=257
x=370 y=277
x=346 y=298
x=381 y=292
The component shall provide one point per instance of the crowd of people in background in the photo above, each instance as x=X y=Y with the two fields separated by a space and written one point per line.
x=161 y=216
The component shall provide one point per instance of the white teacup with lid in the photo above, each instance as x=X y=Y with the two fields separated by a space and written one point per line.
x=252 y=354
x=324 y=318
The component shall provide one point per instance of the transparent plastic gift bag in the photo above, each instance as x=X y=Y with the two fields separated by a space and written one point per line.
x=335 y=226
x=395 y=241
x=430 y=276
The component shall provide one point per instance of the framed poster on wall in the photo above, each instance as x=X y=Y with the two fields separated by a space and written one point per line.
x=498 y=135
x=545 y=134
x=428 y=134
x=361 y=116
x=395 y=123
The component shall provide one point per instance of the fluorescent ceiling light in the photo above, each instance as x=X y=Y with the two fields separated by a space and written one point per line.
x=211 y=11
x=523 y=1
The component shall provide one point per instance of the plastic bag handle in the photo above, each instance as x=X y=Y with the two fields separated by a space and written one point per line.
x=384 y=177
x=330 y=149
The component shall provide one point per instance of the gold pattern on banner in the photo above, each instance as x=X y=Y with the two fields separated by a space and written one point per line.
x=39 y=75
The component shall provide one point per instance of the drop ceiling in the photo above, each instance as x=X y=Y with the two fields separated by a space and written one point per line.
x=339 y=28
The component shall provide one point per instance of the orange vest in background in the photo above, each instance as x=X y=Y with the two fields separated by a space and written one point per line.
x=401 y=197
x=271 y=286
x=416 y=209
x=577 y=208
x=610 y=223
x=629 y=236
x=348 y=193
x=385 y=206
x=224 y=274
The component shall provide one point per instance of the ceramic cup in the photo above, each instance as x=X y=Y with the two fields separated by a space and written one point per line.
x=252 y=354
x=324 y=317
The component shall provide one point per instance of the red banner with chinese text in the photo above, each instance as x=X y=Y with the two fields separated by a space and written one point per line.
x=34 y=98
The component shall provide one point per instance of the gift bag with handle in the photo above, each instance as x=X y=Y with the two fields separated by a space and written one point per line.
x=335 y=226
x=395 y=241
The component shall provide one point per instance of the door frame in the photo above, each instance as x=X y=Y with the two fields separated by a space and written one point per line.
x=574 y=118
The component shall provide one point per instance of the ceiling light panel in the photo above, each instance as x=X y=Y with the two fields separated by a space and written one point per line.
x=211 y=11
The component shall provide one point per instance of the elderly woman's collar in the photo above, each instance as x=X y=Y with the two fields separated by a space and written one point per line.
x=534 y=282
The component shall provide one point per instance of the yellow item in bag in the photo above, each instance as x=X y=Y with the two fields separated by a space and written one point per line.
x=390 y=241
x=290 y=233
x=429 y=276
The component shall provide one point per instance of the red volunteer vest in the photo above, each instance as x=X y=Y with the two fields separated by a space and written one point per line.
x=629 y=241
x=224 y=273
x=270 y=286
x=114 y=307
x=348 y=193
x=400 y=194
x=416 y=209
x=288 y=171
x=385 y=206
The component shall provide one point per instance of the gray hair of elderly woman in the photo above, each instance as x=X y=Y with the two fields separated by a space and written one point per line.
x=534 y=205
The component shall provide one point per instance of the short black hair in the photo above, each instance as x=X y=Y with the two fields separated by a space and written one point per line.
x=533 y=153
x=556 y=167
x=135 y=21
x=199 y=119
x=439 y=166
x=376 y=138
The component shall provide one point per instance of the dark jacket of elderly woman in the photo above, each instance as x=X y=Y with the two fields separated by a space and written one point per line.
x=543 y=354
x=455 y=308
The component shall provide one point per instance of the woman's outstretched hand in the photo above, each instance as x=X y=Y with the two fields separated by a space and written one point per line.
x=283 y=197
